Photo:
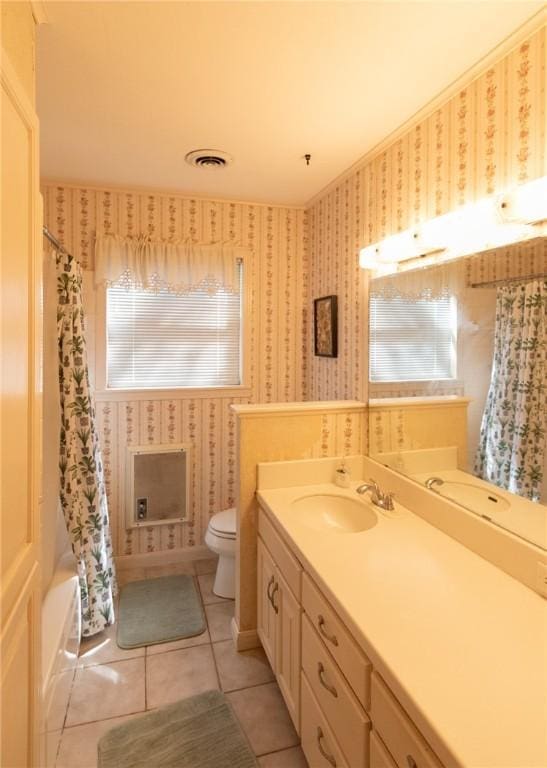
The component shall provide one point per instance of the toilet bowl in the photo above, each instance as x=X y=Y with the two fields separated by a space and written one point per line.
x=221 y=539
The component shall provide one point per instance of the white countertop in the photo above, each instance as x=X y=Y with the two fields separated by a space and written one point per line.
x=461 y=643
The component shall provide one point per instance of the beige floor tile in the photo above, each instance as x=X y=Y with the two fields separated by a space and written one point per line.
x=179 y=674
x=58 y=703
x=206 y=566
x=206 y=587
x=52 y=741
x=187 y=642
x=219 y=619
x=78 y=747
x=103 y=649
x=174 y=569
x=239 y=670
x=107 y=690
x=287 y=758
x=264 y=718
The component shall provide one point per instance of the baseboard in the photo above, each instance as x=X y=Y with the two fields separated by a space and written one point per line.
x=162 y=557
x=244 y=640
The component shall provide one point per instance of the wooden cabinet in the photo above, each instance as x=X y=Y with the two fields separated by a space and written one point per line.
x=344 y=712
x=279 y=626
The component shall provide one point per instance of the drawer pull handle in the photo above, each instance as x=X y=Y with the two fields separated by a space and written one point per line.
x=326 y=755
x=270 y=585
x=330 y=688
x=411 y=762
x=274 y=590
x=321 y=624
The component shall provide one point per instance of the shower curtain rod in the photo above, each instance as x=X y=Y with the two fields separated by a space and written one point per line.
x=507 y=280
x=52 y=239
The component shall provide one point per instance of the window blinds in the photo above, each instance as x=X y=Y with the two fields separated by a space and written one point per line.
x=412 y=340
x=163 y=340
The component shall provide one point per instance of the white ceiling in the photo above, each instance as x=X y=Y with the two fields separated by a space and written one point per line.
x=126 y=89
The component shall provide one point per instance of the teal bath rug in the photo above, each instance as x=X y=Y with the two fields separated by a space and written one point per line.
x=199 y=732
x=159 y=611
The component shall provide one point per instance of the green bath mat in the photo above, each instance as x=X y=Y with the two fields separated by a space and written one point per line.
x=159 y=611
x=199 y=732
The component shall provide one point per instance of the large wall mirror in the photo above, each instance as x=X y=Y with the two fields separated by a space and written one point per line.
x=458 y=382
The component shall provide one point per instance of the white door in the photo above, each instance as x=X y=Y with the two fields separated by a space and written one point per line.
x=20 y=590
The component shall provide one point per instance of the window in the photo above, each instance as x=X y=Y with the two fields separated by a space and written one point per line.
x=167 y=340
x=412 y=339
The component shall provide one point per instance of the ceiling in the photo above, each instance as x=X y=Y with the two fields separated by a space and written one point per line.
x=126 y=89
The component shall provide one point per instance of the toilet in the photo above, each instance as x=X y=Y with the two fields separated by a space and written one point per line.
x=221 y=539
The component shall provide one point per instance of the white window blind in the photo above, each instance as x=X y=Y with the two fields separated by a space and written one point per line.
x=412 y=340
x=164 y=340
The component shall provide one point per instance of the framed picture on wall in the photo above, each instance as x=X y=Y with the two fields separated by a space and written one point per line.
x=325 y=326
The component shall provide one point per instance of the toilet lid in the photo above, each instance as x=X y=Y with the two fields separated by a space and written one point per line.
x=224 y=522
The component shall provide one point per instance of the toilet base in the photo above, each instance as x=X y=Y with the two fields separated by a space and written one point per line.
x=225 y=578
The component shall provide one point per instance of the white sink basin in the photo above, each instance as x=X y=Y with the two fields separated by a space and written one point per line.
x=333 y=513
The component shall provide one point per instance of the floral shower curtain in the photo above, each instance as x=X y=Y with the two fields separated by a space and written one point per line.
x=82 y=494
x=512 y=438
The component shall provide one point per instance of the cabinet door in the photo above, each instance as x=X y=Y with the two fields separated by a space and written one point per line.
x=287 y=663
x=266 y=617
x=379 y=756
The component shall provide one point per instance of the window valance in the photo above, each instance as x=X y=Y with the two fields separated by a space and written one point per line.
x=427 y=284
x=139 y=262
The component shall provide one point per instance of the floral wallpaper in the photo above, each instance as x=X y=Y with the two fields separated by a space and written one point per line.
x=489 y=136
x=278 y=352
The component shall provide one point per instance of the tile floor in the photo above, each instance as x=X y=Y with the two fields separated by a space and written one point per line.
x=111 y=685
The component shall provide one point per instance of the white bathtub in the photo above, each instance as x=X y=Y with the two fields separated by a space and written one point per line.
x=60 y=644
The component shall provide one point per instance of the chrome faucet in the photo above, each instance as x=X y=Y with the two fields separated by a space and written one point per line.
x=430 y=482
x=378 y=497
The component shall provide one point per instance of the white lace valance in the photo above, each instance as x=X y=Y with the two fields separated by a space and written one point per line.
x=427 y=284
x=139 y=262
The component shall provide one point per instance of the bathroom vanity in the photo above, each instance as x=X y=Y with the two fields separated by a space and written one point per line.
x=394 y=646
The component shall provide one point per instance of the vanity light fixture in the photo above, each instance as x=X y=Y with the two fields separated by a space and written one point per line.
x=526 y=204
x=488 y=223
x=409 y=244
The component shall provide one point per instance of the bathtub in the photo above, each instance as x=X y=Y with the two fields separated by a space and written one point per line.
x=60 y=645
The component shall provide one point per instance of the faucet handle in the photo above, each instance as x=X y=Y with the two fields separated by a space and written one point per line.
x=389 y=506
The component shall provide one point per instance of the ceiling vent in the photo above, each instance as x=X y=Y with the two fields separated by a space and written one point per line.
x=208 y=158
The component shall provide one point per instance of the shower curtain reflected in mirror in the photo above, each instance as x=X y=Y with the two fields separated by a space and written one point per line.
x=512 y=437
x=82 y=489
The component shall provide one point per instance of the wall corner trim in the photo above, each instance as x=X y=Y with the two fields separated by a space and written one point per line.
x=244 y=640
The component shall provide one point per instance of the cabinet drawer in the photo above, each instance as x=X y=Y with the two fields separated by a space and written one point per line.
x=403 y=740
x=318 y=742
x=379 y=756
x=336 y=638
x=336 y=699
x=284 y=558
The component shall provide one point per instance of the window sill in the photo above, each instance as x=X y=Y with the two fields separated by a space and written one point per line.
x=180 y=393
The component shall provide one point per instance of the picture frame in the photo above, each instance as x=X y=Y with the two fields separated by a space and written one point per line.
x=325 y=326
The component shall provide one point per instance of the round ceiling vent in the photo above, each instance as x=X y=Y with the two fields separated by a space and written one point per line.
x=208 y=158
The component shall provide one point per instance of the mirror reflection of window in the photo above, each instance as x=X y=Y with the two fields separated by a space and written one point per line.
x=412 y=339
